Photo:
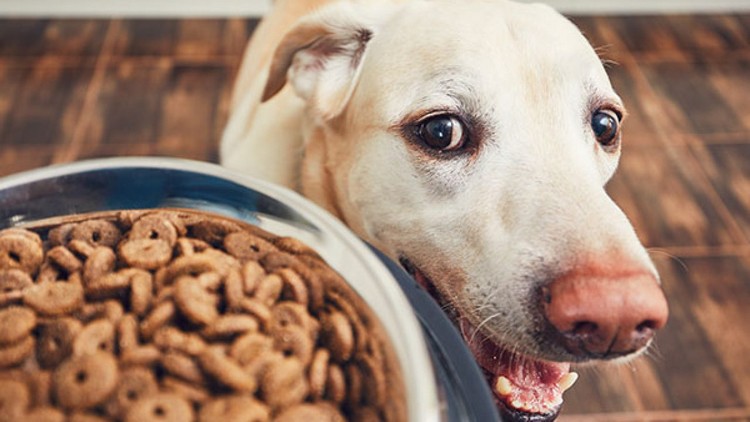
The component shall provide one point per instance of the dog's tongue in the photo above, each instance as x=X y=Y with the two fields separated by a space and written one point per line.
x=522 y=384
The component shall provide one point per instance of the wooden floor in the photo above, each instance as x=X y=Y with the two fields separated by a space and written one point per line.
x=76 y=89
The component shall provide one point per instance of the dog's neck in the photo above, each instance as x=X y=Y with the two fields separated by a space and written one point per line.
x=317 y=179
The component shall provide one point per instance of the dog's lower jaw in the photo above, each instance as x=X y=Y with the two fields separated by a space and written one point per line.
x=525 y=389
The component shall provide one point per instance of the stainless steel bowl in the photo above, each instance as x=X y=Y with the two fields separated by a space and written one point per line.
x=131 y=183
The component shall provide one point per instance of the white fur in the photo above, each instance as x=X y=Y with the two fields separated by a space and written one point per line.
x=488 y=228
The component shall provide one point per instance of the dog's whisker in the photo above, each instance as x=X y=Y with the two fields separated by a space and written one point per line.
x=479 y=327
x=669 y=255
x=652 y=352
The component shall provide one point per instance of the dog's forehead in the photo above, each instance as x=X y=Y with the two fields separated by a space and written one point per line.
x=490 y=46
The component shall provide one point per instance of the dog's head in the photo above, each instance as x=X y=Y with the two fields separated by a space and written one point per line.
x=471 y=141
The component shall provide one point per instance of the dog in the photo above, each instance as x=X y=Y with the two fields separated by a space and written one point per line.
x=471 y=142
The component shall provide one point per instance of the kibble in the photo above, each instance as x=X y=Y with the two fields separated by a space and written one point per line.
x=178 y=315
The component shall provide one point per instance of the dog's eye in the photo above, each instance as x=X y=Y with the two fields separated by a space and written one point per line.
x=444 y=132
x=606 y=126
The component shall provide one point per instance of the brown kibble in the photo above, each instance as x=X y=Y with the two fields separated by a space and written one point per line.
x=147 y=254
x=233 y=290
x=60 y=235
x=235 y=409
x=268 y=289
x=294 y=288
x=250 y=346
x=294 y=247
x=134 y=384
x=147 y=355
x=44 y=414
x=50 y=273
x=161 y=407
x=141 y=293
x=27 y=234
x=64 y=259
x=159 y=317
x=53 y=299
x=14 y=354
x=354 y=381
x=96 y=336
x=96 y=233
x=14 y=399
x=193 y=265
x=107 y=285
x=284 y=383
x=257 y=309
x=373 y=381
x=335 y=389
x=246 y=246
x=318 y=373
x=14 y=280
x=226 y=371
x=100 y=262
x=311 y=412
x=17 y=323
x=20 y=252
x=196 y=301
x=192 y=392
x=337 y=335
x=294 y=341
x=366 y=414
x=154 y=227
x=85 y=381
x=127 y=332
x=55 y=341
x=213 y=231
x=287 y=313
x=252 y=273
x=40 y=387
x=109 y=309
x=182 y=366
x=85 y=417
x=189 y=246
x=172 y=338
x=81 y=247
x=229 y=326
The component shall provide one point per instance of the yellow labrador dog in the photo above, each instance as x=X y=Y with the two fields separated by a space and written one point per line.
x=470 y=141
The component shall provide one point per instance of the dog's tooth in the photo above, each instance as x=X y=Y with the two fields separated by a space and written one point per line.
x=503 y=386
x=567 y=381
x=517 y=404
x=556 y=402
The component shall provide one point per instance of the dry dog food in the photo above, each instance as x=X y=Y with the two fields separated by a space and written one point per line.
x=172 y=315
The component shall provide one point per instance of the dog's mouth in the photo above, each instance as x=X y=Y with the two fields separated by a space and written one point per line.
x=525 y=389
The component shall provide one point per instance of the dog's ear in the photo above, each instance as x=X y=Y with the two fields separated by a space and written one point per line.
x=321 y=57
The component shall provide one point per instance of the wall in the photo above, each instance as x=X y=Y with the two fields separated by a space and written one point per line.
x=177 y=8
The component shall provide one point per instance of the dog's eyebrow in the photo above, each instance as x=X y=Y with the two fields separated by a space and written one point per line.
x=458 y=87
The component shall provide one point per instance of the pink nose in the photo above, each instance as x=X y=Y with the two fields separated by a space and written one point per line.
x=601 y=316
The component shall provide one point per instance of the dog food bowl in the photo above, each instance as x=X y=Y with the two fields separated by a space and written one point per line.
x=442 y=380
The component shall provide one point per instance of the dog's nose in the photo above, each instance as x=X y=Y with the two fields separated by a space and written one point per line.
x=598 y=316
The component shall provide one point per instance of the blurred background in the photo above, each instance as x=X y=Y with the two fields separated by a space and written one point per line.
x=93 y=78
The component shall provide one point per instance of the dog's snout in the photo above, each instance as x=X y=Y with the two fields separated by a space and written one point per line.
x=601 y=316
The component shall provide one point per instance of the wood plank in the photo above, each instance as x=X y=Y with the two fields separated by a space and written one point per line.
x=731 y=79
x=64 y=37
x=692 y=105
x=183 y=39
x=661 y=191
x=728 y=168
x=169 y=106
x=22 y=158
x=46 y=101
x=722 y=292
